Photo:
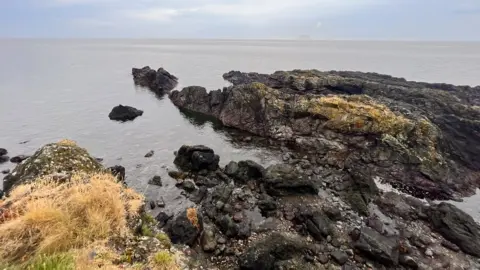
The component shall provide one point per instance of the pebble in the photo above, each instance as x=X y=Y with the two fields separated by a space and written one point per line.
x=152 y=205
x=219 y=205
x=349 y=252
x=238 y=217
x=161 y=203
x=221 y=240
x=429 y=252
x=339 y=256
x=329 y=239
x=323 y=259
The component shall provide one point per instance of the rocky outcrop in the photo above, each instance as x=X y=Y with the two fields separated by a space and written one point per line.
x=60 y=158
x=196 y=158
x=416 y=136
x=124 y=113
x=456 y=226
x=159 y=81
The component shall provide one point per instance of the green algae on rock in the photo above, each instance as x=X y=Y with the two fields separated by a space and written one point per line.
x=64 y=157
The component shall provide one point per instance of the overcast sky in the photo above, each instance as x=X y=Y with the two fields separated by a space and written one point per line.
x=319 y=19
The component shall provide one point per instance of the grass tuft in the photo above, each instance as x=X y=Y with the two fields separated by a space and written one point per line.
x=47 y=217
x=163 y=260
x=164 y=240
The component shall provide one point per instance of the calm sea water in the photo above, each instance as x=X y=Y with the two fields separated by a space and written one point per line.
x=54 y=89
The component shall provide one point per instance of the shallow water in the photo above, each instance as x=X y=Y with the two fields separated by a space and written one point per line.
x=54 y=89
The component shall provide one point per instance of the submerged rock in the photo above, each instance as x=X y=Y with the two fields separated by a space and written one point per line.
x=156 y=181
x=3 y=151
x=19 y=159
x=124 y=113
x=63 y=157
x=158 y=81
x=418 y=137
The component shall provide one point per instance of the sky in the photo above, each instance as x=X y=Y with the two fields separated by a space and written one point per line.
x=450 y=20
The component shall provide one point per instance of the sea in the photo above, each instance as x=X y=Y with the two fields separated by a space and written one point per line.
x=51 y=89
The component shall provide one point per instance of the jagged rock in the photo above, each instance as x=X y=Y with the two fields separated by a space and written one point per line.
x=19 y=159
x=284 y=180
x=378 y=247
x=208 y=241
x=186 y=227
x=118 y=171
x=268 y=253
x=63 y=158
x=418 y=137
x=196 y=158
x=457 y=227
x=247 y=170
x=124 y=113
x=3 y=151
x=156 y=181
x=158 y=81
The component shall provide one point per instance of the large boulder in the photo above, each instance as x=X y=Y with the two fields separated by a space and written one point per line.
x=64 y=158
x=457 y=227
x=378 y=247
x=186 y=227
x=284 y=180
x=245 y=170
x=124 y=113
x=196 y=158
x=159 y=81
x=273 y=251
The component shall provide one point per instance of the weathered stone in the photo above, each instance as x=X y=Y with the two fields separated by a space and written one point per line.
x=52 y=158
x=124 y=113
x=283 y=180
x=378 y=247
x=339 y=256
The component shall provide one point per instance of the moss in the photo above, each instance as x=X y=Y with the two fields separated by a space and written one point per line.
x=164 y=240
x=146 y=231
x=163 y=260
x=148 y=219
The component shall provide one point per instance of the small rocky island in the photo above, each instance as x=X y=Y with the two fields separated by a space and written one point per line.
x=341 y=135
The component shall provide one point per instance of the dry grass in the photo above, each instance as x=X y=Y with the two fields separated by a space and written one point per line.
x=192 y=216
x=48 y=217
x=67 y=142
x=359 y=114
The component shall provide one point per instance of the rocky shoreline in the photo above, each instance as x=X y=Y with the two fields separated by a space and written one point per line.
x=340 y=133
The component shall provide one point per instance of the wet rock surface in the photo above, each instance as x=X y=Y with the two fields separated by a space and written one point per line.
x=124 y=113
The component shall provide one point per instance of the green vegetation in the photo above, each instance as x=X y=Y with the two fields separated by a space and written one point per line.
x=163 y=260
x=164 y=240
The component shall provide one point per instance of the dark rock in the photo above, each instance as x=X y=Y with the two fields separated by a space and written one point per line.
x=163 y=218
x=152 y=205
x=228 y=226
x=4 y=159
x=450 y=246
x=274 y=249
x=208 y=182
x=185 y=229
x=99 y=159
x=1 y=194
x=244 y=230
x=339 y=256
x=189 y=186
x=319 y=226
x=3 y=151
x=196 y=158
x=378 y=247
x=267 y=206
x=284 y=180
x=6 y=171
x=238 y=217
x=124 y=113
x=198 y=195
x=457 y=227
x=323 y=259
x=158 y=81
x=156 y=181
x=208 y=241
x=177 y=175
x=248 y=170
x=150 y=154
x=161 y=202
x=232 y=168
x=19 y=159
x=333 y=213
x=118 y=171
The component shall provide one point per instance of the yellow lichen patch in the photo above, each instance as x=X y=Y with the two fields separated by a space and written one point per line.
x=192 y=216
x=271 y=96
x=56 y=216
x=67 y=142
x=359 y=114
